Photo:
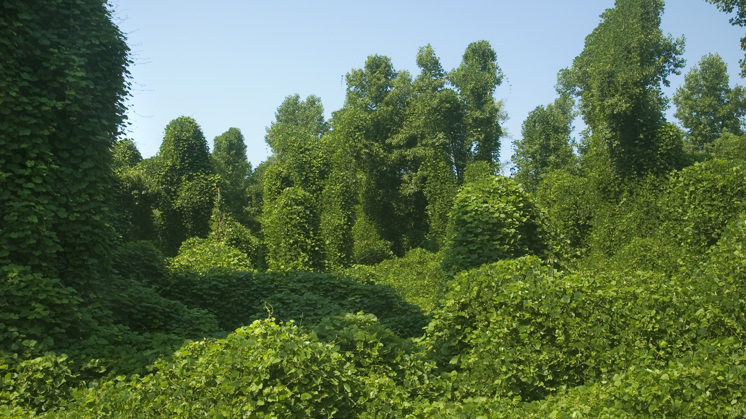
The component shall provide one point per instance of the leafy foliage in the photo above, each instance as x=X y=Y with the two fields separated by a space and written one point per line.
x=230 y=163
x=730 y=6
x=703 y=199
x=546 y=144
x=476 y=79
x=290 y=228
x=417 y=277
x=204 y=255
x=36 y=310
x=186 y=184
x=238 y=298
x=62 y=91
x=618 y=77
x=570 y=205
x=261 y=369
x=530 y=331
x=706 y=105
x=493 y=219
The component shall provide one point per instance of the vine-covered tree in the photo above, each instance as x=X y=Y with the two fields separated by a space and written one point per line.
x=134 y=193
x=546 y=144
x=299 y=163
x=294 y=138
x=706 y=104
x=230 y=163
x=63 y=81
x=186 y=184
x=618 y=77
x=374 y=112
x=476 y=80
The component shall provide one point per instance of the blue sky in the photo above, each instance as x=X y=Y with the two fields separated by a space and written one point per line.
x=230 y=63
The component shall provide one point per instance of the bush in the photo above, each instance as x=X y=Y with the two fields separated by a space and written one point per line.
x=702 y=199
x=492 y=219
x=529 y=331
x=290 y=227
x=241 y=297
x=706 y=383
x=569 y=204
x=417 y=277
x=141 y=261
x=204 y=255
x=37 y=384
x=265 y=369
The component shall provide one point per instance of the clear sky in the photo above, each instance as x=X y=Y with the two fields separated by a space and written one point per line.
x=230 y=63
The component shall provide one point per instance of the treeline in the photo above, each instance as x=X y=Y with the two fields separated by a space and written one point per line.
x=375 y=265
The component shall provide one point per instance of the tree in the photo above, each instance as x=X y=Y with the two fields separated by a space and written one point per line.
x=706 y=104
x=186 y=182
x=295 y=137
x=296 y=174
x=618 y=77
x=739 y=6
x=231 y=164
x=63 y=83
x=546 y=144
x=476 y=79
x=133 y=195
x=373 y=114
x=290 y=229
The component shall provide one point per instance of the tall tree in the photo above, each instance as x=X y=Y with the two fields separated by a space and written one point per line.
x=294 y=138
x=706 y=104
x=186 y=184
x=476 y=80
x=546 y=144
x=296 y=174
x=618 y=77
x=738 y=6
x=430 y=151
x=63 y=82
x=230 y=163
x=374 y=112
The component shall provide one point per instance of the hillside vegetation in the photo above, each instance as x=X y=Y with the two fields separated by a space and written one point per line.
x=377 y=264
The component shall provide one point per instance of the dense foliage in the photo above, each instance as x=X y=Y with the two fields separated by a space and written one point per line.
x=63 y=82
x=375 y=265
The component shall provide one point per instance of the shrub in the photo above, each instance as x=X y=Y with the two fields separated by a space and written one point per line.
x=529 y=331
x=37 y=313
x=238 y=298
x=705 y=383
x=265 y=369
x=203 y=255
x=290 y=227
x=492 y=219
x=141 y=261
x=37 y=384
x=417 y=277
x=569 y=204
x=702 y=200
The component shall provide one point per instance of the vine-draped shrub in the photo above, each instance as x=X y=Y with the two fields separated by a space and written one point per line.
x=702 y=199
x=492 y=219
x=264 y=369
x=417 y=276
x=238 y=298
x=204 y=255
x=290 y=226
x=529 y=331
